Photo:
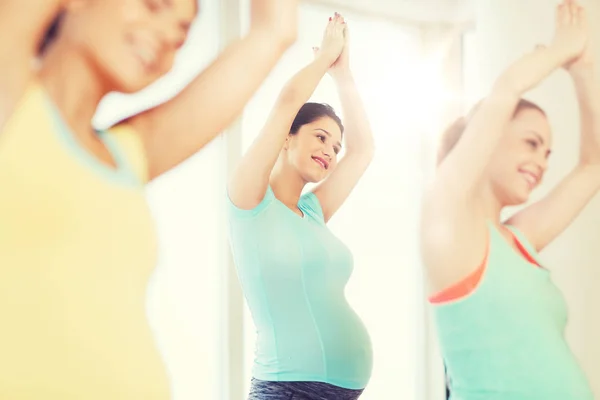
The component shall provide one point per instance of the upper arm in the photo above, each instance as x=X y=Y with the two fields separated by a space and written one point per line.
x=250 y=179
x=179 y=128
x=544 y=220
x=337 y=187
x=454 y=236
x=454 y=226
x=461 y=173
x=22 y=24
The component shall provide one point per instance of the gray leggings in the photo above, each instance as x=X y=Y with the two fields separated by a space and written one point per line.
x=267 y=390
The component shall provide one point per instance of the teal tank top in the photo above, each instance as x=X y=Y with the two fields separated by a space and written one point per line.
x=293 y=272
x=505 y=340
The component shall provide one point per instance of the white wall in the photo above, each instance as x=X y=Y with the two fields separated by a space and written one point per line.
x=505 y=30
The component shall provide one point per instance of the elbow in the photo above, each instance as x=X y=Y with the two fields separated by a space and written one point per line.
x=508 y=87
x=289 y=95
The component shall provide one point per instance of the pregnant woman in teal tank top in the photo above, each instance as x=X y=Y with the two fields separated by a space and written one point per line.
x=310 y=343
x=500 y=319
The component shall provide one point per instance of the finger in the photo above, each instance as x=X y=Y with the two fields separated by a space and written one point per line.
x=338 y=19
x=331 y=24
x=574 y=11
x=583 y=18
x=562 y=17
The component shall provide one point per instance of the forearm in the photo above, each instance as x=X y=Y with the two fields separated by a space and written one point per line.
x=302 y=85
x=358 y=136
x=210 y=103
x=465 y=166
x=587 y=88
x=530 y=70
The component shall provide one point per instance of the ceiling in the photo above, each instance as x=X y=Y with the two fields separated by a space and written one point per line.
x=410 y=11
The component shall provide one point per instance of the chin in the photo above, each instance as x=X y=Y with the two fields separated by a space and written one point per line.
x=132 y=85
x=518 y=199
x=128 y=79
x=313 y=178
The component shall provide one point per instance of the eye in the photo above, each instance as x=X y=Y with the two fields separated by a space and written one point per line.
x=336 y=150
x=533 y=143
x=321 y=138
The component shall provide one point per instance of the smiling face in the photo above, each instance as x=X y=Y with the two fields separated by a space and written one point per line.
x=521 y=159
x=128 y=43
x=313 y=150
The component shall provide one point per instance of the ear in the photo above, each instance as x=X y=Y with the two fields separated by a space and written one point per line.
x=286 y=145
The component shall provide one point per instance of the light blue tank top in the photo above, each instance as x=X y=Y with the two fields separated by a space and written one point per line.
x=505 y=340
x=293 y=272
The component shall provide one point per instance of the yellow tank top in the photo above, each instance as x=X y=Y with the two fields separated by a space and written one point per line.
x=77 y=247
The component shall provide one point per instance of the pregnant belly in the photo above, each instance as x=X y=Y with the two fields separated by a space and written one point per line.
x=346 y=344
x=329 y=344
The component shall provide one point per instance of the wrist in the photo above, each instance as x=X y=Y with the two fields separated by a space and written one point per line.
x=583 y=74
x=561 y=53
x=342 y=76
x=325 y=58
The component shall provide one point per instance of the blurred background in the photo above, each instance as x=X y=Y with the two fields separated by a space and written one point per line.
x=419 y=65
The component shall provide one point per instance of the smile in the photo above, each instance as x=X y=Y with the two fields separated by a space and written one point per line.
x=531 y=179
x=324 y=164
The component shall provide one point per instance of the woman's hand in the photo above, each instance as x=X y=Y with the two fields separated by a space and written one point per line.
x=341 y=67
x=334 y=40
x=571 y=37
x=585 y=61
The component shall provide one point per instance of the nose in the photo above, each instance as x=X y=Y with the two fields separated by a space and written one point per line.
x=542 y=162
x=327 y=153
x=169 y=31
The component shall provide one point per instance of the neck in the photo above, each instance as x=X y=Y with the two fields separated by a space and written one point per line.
x=73 y=86
x=287 y=184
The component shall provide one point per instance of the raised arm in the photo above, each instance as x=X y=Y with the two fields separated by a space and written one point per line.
x=454 y=230
x=460 y=174
x=358 y=139
x=543 y=221
x=22 y=26
x=174 y=131
x=250 y=180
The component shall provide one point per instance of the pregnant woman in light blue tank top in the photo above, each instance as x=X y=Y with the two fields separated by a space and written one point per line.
x=293 y=270
x=500 y=318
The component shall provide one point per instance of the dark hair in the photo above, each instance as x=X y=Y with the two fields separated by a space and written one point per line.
x=51 y=34
x=310 y=112
x=454 y=132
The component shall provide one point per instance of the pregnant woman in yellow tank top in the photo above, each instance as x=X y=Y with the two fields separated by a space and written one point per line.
x=76 y=237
